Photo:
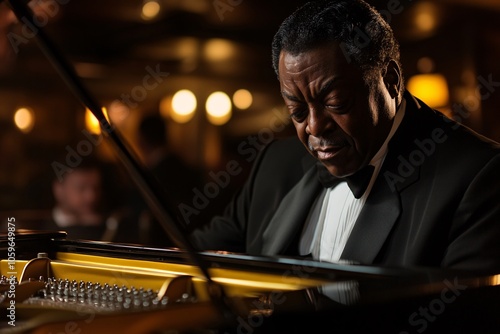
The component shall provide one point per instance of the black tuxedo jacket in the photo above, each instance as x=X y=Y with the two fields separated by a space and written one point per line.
x=435 y=202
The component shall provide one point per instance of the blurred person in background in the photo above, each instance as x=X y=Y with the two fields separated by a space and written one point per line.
x=172 y=173
x=79 y=203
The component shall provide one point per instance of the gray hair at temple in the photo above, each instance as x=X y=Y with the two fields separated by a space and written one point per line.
x=363 y=35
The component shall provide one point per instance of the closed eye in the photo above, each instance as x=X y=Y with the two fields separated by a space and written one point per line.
x=336 y=107
x=340 y=107
x=299 y=114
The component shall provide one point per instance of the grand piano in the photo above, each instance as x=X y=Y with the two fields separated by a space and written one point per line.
x=50 y=284
x=73 y=286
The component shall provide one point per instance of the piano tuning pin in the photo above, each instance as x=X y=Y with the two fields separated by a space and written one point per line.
x=101 y=296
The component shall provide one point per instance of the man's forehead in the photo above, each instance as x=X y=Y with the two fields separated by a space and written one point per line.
x=327 y=56
x=321 y=68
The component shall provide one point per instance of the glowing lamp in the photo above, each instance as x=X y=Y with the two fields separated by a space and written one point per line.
x=24 y=119
x=150 y=10
x=242 y=99
x=218 y=108
x=183 y=106
x=430 y=88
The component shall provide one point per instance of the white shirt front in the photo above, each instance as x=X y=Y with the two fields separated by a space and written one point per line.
x=334 y=214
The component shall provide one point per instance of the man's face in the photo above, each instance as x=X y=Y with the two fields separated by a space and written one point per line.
x=338 y=117
x=80 y=192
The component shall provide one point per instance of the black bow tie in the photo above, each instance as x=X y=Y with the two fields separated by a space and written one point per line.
x=357 y=182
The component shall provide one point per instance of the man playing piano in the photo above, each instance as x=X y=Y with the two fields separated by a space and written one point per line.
x=425 y=189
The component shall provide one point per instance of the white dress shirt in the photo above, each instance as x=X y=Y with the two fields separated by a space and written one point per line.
x=336 y=210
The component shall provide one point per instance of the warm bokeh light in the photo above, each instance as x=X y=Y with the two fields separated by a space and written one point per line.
x=425 y=21
x=218 y=108
x=118 y=112
x=425 y=65
x=91 y=122
x=183 y=106
x=430 y=88
x=242 y=99
x=150 y=10
x=426 y=17
x=217 y=49
x=24 y=119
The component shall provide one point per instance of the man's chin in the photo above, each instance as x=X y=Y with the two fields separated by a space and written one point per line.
x=340 y=170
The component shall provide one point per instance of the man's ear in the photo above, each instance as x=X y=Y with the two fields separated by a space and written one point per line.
x=392 y=78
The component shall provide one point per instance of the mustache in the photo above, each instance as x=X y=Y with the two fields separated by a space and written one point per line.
x=315 y=143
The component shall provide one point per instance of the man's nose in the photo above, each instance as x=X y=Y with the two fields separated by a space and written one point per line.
x=318 y=121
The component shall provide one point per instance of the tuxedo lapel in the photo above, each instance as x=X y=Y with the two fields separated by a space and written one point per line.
x=383 y=206
x=291 y=214
x=374 y=224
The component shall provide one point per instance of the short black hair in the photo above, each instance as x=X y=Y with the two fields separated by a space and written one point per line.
x=67 y=163
x=364 y=36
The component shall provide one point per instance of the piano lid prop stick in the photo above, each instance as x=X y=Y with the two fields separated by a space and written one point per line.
x=155 y=196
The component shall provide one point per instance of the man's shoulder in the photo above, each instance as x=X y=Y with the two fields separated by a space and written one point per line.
x=425 y=123
x=441 y=146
